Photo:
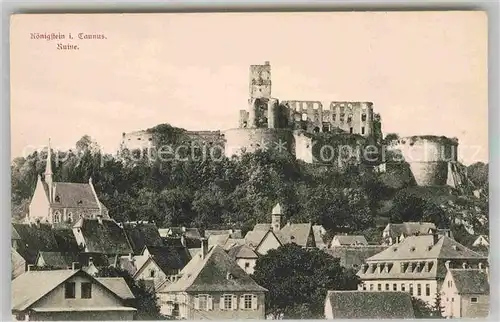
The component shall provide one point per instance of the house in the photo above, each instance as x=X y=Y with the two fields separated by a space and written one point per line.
x=244 y=256
x=161 y=264
x=63 y=203
x=261 y=241
x=466 y=293
x=103 y=236
x=17 y=263
x=300 y=234
x=213 y=287
x=416 y=265
x=348 y=240
x=233 y=233
x=140 y=234
x=232 y=242
x=395 y=233
x=319 y=234
x=481 y=240
x=354 y=256
x=69 y=295
x=368 y=305
x=34 y=238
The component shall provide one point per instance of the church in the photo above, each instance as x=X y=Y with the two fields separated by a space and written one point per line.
x=63 y=203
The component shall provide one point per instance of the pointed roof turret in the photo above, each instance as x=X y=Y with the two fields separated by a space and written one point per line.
x=277 y=209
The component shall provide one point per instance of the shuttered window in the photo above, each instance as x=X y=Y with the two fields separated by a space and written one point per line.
x=228 y=302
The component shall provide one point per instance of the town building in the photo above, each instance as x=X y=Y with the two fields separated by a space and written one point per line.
x=416 y=265
x=213 y=287
x=261 y=240
x=481 y=240
x=466 y=293
x=102 y=236
x=348 y=240
x=354 y=256
x=59 y=295
x=63 y=203
x=395 y=233
x=368 y=305
x=244 y=256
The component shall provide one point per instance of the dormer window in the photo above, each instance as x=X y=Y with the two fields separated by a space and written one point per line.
x=229 y=276
x=57 y=199
x=80 y=202
x=412 y=249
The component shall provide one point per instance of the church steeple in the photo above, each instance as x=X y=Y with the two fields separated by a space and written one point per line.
x=48 y=171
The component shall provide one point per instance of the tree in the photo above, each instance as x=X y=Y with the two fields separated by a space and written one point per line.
x=437 y=308
x=421 y=309
x=298 y=280
x=145 y=300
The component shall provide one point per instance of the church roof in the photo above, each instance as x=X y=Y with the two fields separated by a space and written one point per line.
x=74 y=195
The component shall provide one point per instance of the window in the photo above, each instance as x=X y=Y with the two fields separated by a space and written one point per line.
x=86 y=290
x=473 y=299
x=362 y=130
x=152 y=273
x=70 y=217
x=450 y=283
x=350 y=130
x=403 y=288
x=453 y=299
x=247 y=302
x=419 y=290
x=427 y=290
x=227 y=302
x=387 y=286
x=57 y=217
x=247 y=265
x=379 y=287
x=304 y=117
x=58 y=199
x=411 y=288
x=69 y=290
x=203 y=302
x=371 y=287
x=349 y=118
x=394 y=287
x=334 y=117
x=363 y=117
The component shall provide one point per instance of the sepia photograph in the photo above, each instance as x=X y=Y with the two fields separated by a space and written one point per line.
x=258 y=165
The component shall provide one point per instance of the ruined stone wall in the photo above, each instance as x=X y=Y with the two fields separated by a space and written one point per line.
x=260 y=81
x=314 y=116
x=251 y=140
x=427 y=156
x=136 y=140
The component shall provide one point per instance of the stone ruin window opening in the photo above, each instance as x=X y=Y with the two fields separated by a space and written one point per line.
x=363 y=117
x=58 y=199
x=326 y=127
x=244 y=124
x=303 y=126
x=304 y=117
x=362 y=130
x=316 y=129
x=342 y=116
x=350 y=130
x=334 y=117
x=349 y=118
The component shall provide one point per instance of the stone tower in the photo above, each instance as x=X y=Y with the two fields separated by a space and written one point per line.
x=260 y=81
x=276 y=217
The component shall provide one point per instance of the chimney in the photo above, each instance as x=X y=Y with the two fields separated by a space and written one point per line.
x=480 y=266
x=203 y=251
x=91 y=261
x=30 y=267
x=464 y=265
x=74 y=266
x=130 y=257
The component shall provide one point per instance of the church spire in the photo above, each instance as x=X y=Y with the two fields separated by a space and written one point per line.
x=48 y=170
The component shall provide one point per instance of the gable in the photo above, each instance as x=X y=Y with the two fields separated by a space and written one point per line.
x=270 y=241
x=39 y=205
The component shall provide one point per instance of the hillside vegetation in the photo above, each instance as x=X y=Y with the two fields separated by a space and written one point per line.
x=237 y=193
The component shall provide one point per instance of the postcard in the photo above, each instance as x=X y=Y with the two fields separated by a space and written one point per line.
x=260 y=165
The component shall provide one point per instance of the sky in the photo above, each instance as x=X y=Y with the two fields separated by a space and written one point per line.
x=426 y=73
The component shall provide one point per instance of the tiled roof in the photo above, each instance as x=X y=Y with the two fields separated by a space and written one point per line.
x=169 y=259
x=354 y=256
x=351 y=239
x=103 y=237
x=232 y=242
x=253 y=238
x=218 y=239
x=58 y=259
x=65 y=240
x=264 y=227
x=296 y=233
x=210 y=274
x=409 y=228
x=232 y=233
x=470 y=281
x=425 y=247
x=33 y=239
x=241 y=251
x=118 y=286
x=74 y=195
x=142 y=234
x=370 y=305
x=192 y=233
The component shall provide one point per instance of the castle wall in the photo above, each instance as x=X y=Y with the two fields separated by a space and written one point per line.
x=251 y=140
x=427 y=156
x=136 y=140
x=260 y=81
